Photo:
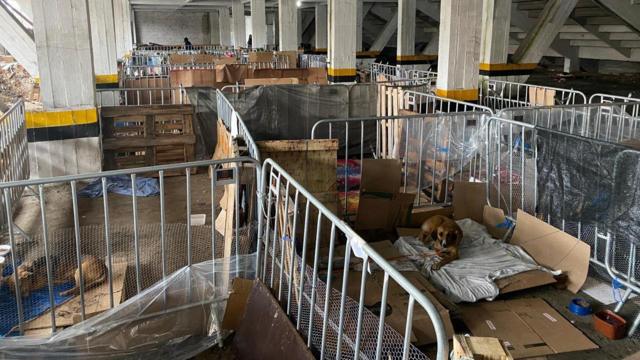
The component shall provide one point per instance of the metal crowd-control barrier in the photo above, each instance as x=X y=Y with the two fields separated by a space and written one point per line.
x=512 y=156
x=426 y=103
x=134 y=241
x=435 y=149
x=14 y=153
x=291 y=227
x=499 y=94
x=609 y=121
x=141 y=96
x=312 y=61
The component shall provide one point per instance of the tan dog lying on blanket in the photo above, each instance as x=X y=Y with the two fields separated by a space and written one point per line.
x=446 y=235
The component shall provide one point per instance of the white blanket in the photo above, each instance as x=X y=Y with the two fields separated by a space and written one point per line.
x=482 y=260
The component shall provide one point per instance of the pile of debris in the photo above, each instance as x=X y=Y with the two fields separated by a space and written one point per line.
x=15 y=82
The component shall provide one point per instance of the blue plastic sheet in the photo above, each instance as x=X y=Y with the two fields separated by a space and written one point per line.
x=121 y=184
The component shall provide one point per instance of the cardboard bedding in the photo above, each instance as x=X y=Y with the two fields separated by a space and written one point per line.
x=482 y=261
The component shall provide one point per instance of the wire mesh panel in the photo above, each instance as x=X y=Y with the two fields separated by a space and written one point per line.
x=297 y=258
x=118 y=244
x=499 y=94
x=399 y=75
x=312 y=61
x=14 y=152
x=613 y=122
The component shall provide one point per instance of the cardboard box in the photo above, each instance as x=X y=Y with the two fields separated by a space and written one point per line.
x=527 y=327
x=234 y=312
x=271 y=81
x=478 y=348
x=381 y=204
x=569 y=254
x=192 y=78
x=260 y=56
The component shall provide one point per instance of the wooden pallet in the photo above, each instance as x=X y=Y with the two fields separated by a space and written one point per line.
x=138 y=136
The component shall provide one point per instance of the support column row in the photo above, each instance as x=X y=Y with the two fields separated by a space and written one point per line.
x=342 y=41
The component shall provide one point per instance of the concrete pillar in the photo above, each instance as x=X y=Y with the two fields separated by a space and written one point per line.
x=18 y=41
x=239 y=28
x=103 y=43
x=64 y=139
x=459 y=50
x=122 y=22
x=259 y=24
x=359 y=24
x=321 y=28
x=431 y=50
x=571 y=65
x=214 y=27
x=406 y=45
x=288 y=25
x=494 y=49
x=271 y=29
x=224 y=20
x=342 y=41
x=552 y=18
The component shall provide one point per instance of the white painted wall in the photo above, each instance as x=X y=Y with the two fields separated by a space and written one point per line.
x=170 y=28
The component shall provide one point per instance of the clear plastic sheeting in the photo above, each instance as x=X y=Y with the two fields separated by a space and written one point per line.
x=439 y=149
x=176 y=318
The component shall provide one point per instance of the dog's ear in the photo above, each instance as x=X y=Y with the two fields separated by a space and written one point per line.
x=25 y=274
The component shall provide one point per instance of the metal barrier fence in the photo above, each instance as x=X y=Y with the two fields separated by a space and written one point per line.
x=141 y=96
x=607 y=98
x=291 y=227
x=312 y=61
x=425 y=103
x=610 y=121
x=382 y=73
x=153 y=248
x=513 y=174
x=174 y=48
x=435 y=149
x=14 y=153
x=498 y=94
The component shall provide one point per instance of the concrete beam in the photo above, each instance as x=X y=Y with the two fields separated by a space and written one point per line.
x=459 y=53
x=238 y=21
x=321 y=27
x=103 y=42
x=288 y=25
x=258 y=24
x=342 y=41
x=406 y=43
x=605 y=37
x=18 y=41
x=542 y=35
x=625 y=10
x=387 y=32
x=225 y=27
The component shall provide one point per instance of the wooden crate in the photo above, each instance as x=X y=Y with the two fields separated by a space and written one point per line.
x=147 y=97
x=137 y=136
x=312 y=162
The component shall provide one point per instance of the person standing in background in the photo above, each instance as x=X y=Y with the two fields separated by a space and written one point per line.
x=187 y=44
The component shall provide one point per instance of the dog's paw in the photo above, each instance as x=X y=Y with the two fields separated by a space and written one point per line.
x=436 y=266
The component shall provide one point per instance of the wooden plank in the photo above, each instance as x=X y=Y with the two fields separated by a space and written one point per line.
x=136 y=141
x=120 y=111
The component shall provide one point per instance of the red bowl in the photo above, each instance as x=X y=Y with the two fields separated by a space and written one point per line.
x=610 y=324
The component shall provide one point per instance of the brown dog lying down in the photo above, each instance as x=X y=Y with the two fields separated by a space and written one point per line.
x=33 y=276
x=446 y=235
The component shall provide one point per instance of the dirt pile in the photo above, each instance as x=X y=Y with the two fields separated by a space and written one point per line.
x=15 y=82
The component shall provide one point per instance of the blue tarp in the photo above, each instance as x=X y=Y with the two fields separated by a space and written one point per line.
x=34 y=305
x=121 y=184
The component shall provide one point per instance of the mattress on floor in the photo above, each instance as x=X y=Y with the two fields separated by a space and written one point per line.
x=482 y=261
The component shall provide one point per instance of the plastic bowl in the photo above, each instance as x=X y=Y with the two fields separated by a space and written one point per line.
x=610 y=324
x=5 y=250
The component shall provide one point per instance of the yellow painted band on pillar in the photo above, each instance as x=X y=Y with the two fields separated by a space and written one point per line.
x=107 y=79
x=42 y=119
x=507 y=67
x=416 y=57
x=100 y=79
x=341 y=72
x=459 y=94
x=320 y=50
